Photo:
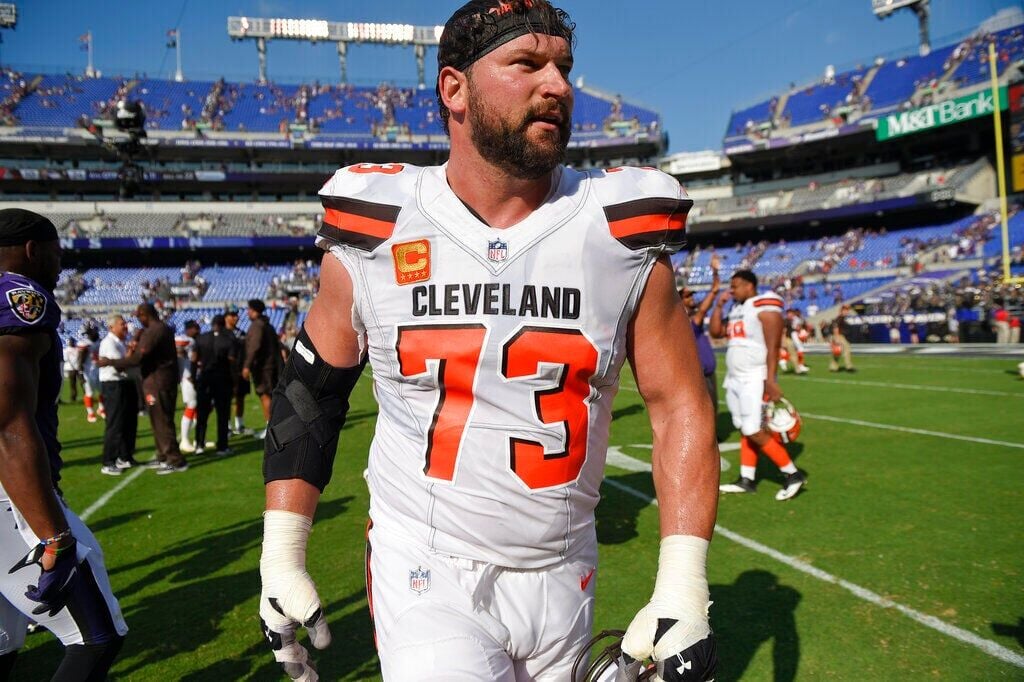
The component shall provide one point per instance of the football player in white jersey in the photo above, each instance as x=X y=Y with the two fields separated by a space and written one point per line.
x=185 y=346
x=754 y=327
x=496 y=299
x=793 y=340
x=90 y=348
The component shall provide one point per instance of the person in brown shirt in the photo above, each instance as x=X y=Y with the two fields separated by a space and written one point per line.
x=157 y=361
x=263 y=360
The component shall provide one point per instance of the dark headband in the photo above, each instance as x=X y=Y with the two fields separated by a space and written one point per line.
x=18 y=226
x=501 y=24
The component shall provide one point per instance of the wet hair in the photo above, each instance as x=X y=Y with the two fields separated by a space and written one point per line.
x=746 y=276
x=480 y=26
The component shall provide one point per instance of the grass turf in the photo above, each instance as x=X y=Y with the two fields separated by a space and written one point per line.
x=929 y=522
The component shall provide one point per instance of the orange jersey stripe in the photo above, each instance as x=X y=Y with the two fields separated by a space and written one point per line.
x=350 y=222
x=627 y=227
x=765 y=301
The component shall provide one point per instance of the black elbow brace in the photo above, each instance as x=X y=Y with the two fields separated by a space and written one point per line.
x=307 y=411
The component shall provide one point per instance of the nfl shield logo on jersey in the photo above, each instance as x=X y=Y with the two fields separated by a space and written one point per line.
x=419 y=580
x=497 y=250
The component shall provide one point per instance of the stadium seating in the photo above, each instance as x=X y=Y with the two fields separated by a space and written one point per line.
x=897 y=80
x=170 y=105
x=816 y=102
x=57 y=101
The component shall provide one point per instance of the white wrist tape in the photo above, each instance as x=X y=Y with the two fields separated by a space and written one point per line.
x=682 y=581
x=285 y=535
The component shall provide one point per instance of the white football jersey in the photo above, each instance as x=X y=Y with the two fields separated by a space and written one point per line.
x=495 y=352
x=184 y=345
x=93 y=354
x=747 y=355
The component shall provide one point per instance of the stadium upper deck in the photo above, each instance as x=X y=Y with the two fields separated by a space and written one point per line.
x=38 y=103
x=849 y=101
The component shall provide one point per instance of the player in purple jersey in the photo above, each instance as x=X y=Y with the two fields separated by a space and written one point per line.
x=51 y=567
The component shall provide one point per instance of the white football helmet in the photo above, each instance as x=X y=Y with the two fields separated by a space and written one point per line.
x=783 y=420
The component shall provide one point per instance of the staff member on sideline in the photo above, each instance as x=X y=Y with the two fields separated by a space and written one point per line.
x=158 y=362
x=212 y=361
x=117 y=386
x=263 y=360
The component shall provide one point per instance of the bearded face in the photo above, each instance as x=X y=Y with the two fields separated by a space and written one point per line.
x=526 y=145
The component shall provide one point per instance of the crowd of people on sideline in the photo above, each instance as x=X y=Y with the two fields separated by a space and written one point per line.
x=138 y=369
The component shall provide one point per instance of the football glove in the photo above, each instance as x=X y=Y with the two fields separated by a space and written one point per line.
x=288 y=598
x=54 y=587
x=673 y=629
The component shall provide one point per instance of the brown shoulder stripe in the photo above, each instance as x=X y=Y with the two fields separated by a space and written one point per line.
x=363 y=224
x=648 y=222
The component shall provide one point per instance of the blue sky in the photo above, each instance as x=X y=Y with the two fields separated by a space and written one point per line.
x=692 y=61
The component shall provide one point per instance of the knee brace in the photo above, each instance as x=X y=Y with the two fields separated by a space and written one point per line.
x=307 y=413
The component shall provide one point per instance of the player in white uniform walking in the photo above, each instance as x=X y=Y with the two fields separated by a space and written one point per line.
x=90 y=348
x=754 y=327
x=496 y=298
x=185 y=345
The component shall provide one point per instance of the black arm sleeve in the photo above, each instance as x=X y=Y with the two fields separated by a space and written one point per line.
x=307 y=412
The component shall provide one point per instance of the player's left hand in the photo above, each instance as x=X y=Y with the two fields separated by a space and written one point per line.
x=56 y=583
x=772 y=392
x=246 y=373
x=683 y=649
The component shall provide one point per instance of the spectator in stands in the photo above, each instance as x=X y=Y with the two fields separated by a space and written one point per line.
x=840 y=345
x=157 y=361
x=214 y=363
x=263 y=360
x=242 y=387
x=121 y=400
x=697 y=313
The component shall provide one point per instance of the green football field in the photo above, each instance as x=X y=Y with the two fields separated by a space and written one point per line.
x=901 y=560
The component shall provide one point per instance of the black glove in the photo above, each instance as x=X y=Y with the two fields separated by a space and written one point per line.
x=696 y=663
x=55 y=585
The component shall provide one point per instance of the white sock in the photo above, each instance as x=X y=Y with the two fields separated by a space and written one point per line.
x=186 y=426
x=788 y=469
x=239 y=424
x=748 y=472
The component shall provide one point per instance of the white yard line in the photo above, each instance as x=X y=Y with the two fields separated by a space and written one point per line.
x=913 y=387
x=920 y=432
x=920 y=366
x=893 y=427
x=988 y=646
x=105 y=497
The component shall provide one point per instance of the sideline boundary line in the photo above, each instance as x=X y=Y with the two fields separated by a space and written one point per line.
x=989 y=647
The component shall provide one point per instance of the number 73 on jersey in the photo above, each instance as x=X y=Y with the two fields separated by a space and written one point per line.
x=456 y=350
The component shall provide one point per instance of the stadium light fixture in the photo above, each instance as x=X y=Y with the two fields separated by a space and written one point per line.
x=341 y=33
x=8 y=15
x=883 y=9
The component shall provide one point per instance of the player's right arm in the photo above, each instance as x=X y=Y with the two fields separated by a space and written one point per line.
x=24 y=467
x=307 y=413
x=716 y=327
x=705 y=305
